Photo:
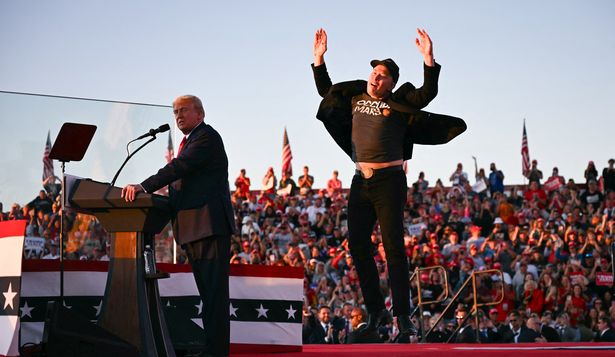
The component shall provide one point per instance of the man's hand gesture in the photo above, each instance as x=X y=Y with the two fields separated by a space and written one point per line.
x=423 y=43
x=320 y=46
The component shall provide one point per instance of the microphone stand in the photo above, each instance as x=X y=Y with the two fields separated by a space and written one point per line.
x=128 y=158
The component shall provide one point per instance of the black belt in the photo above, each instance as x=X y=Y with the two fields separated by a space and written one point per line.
x=368 y=172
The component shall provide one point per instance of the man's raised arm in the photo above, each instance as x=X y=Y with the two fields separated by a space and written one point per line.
x=321 y=77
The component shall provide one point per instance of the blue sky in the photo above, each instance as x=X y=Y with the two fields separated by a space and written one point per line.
x=550 y=62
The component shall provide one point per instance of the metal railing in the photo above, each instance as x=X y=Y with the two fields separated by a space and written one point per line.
x=475 y=306
x=417 y=274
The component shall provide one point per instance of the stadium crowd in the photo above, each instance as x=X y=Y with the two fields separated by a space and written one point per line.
x=551 y=239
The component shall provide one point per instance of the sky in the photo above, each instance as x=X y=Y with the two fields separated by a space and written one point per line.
x=548 y=62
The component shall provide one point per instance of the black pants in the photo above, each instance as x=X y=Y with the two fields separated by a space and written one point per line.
x=209 y=258
x=382 y=197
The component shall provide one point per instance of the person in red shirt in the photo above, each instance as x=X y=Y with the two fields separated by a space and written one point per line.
x=576 y=304
x=242 y=183
x=334 y=186
x=533 y=298
x=534 y=194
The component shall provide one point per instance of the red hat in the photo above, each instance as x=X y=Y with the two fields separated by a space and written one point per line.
x=424 y=276
x=497 y=265
x=488 y=259
x=475 y=228
x=572 y=244
x=469 y=261
x=246 y=244
x=332 y=250
x=493 y=311
x=433 y=235
x=452 y=264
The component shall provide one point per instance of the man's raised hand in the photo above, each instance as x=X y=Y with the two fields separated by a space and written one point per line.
x=320 y=46
x=424 y=45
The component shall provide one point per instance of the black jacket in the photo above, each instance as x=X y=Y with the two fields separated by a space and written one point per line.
x=607 y=336
x=199 y=191
x=526 y=335
x=335 y=110
x=314 y=333
x=363 y=335
x=550 y=334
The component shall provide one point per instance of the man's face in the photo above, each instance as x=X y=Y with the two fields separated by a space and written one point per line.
x=492 y=167
x=515 y=321
x=380 y=82
x=460 y=316
x=324 y=315
x=534 y=324
x=355 y=318
x=187 y=116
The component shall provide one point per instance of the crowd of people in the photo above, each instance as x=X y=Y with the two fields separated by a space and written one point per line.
x=551 y=240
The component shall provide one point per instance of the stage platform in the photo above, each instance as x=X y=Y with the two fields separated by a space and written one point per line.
x=457 y=350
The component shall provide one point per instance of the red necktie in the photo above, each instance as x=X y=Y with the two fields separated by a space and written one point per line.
x=181 y=145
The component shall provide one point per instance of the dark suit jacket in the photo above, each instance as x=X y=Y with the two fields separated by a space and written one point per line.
x=314 y=333
x=491 y=337
x=466 y=335
x=335 y=110
x=363 y=335
x=550 y=334
x=607 y=336
x=199 y=191
x=526 y=335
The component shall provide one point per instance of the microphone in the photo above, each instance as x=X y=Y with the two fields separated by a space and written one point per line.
x=153 y=132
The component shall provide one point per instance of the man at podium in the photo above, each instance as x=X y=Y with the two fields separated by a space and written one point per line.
x=202 y=213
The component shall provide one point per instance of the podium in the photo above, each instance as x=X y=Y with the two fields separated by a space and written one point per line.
x=131 y=307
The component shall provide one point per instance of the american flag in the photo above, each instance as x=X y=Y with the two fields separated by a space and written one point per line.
x=170 y=154
x=525 y=153
x=47 y=162
x=287 y=155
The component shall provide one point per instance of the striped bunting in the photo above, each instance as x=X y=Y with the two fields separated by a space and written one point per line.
x=265 y=307
x=11 y=248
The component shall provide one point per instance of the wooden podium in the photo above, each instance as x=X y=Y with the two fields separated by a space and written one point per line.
x=131 y=306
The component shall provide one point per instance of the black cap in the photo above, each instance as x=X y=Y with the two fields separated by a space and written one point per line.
x=390 y=65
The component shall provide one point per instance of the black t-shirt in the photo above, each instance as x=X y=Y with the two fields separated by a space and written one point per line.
x=377 y=131
x=593 y=198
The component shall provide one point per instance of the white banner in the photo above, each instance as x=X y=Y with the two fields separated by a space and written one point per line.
x=35 y=243
x=415 y=229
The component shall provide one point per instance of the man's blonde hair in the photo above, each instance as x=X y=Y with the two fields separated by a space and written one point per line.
x=195 y=101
